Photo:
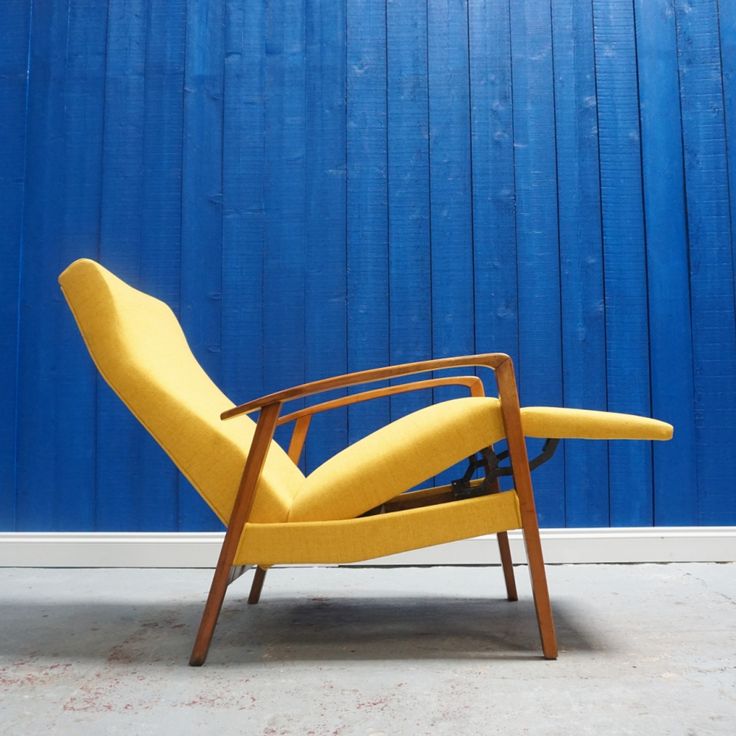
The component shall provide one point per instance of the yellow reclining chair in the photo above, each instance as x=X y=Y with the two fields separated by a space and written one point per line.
x=355 y=506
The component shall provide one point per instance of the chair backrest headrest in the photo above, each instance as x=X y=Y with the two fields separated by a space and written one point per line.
x=141 y=351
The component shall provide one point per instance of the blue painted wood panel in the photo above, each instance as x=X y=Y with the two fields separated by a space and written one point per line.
x=316 y=187
x=670 y=327
x=711 y=256
x=15 y=21
x=368 y=319
x=119 y=441
x=624 y=254
x=581 y=254
x=410 y=259
x=537 y=230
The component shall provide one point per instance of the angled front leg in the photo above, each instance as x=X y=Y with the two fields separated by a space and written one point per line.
x=523 y=483
x=239 y=516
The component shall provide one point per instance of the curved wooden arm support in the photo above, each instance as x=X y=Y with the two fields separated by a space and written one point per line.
x=304 y=416
x=488 y=360
x=472 y=382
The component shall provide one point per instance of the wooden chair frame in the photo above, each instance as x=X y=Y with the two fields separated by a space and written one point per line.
x=269 y=418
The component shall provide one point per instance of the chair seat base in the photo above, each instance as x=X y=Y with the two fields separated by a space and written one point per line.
x=369 y=537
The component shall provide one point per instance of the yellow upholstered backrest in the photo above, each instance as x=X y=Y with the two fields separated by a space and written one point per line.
x=140 y=350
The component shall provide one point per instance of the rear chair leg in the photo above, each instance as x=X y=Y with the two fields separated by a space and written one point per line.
x=255 y=590
x=508 y=566
x=505 y=552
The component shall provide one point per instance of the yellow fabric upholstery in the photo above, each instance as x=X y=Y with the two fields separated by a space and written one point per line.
x=141 y=351
x=397 y=457
x=353 y=540
x=550 y=421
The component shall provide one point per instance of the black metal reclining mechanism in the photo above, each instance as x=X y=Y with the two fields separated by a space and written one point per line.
x=466 y=487
x=489 y=462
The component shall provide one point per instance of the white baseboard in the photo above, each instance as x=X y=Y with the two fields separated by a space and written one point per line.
x=181 y=549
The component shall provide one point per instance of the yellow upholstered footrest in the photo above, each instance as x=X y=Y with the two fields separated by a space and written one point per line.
x=354 y=540
x=555 y=422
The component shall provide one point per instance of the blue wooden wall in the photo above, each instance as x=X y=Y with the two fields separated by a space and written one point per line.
x=317 y=187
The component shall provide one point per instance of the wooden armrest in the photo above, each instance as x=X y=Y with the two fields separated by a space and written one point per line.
x=472 y=382
x=488 y=360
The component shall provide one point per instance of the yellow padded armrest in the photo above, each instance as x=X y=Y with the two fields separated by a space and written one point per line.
x=586 y=424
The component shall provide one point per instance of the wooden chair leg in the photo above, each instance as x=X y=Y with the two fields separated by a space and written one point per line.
x=241 y=510
x=255 y=589
x=505 y=552
x=210 y=615
x=539 y=589
x=527 y=508
x=508 y=566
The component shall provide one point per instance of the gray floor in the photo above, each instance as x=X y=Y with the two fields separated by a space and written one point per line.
x=645 y=649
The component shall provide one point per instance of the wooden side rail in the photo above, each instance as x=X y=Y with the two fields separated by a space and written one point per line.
x=488 y=360
x=472 y=382
x=303 y=417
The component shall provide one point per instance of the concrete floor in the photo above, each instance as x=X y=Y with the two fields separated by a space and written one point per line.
x=645 y=649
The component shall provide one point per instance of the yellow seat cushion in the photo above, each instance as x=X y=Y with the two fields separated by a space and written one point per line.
x=140 y=350
x=353 y=540
x=587 y=424
x=397 y=457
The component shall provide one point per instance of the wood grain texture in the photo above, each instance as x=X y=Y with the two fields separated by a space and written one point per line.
x=325 y=313
x=319 y=187
x=243 y=215
x=36 y=457
x=450 y=216
x=201 y=209
x=711 y=257
x=581 y=254
x=409 y=208
x=727 y=43
x=537 y=246
x=118 y=463
x=670 y=329
x=368 y=331
x=161 y=219
x=239 y=516
x=15 y=25
x=494 y=187
x=472 y=382
x=372 y=375
x=624 y=252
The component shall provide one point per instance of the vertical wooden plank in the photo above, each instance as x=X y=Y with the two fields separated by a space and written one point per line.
x=727 y=28
x=581 y=255
x=408 y=192
x=15 y=30
x=540 y=365
x=325 y=287
x=670 y=333
x=82 y=130
x=450 y=180
x=119 y=471
x=627 y=338
x=451 y=235
x=367 y=224
x=201 y=217
x=37 y=459
x=494 y=221
x=285 y=240
x=161 y=215
x=243 y=209
x=711 y=258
